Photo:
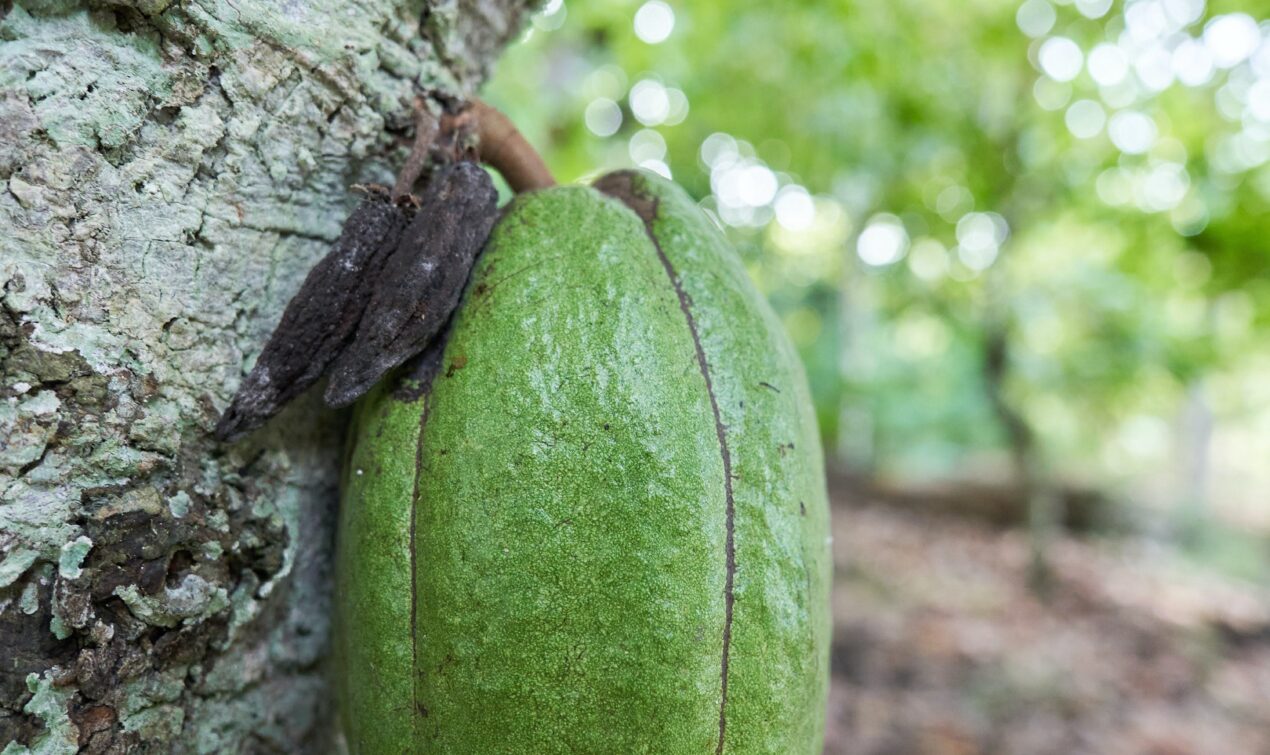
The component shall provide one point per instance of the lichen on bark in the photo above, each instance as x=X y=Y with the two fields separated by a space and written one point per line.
x=170 y=172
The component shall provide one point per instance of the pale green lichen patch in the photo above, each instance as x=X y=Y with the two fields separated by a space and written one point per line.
x=48 y=702
x=29 y=603
x=15 y=562
x=151 y=705
x=159 y=428
x=59 y=628
x=179 y=504
x=73 y=553
x=117 y=76
x=26 y=427
x=190 y=601
x=162 y=722
x=41 y=404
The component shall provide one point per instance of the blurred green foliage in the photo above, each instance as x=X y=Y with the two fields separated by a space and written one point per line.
x=1087 y=181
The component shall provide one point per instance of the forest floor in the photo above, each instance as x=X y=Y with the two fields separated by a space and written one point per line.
x=940 y=647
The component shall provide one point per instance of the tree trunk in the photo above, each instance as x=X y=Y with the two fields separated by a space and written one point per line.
x=1193 y=459
x=171 y=170
x=1045 y=507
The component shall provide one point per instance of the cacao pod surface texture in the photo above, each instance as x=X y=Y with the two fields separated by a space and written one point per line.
x=603 y=526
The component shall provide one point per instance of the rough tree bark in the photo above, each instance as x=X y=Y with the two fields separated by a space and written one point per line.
x=171 y=169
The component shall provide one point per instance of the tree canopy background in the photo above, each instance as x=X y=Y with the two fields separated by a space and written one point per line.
x=1009 y=239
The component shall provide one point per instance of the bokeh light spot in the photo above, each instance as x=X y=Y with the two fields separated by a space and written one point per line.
x=953 y=202
x=1259 y=100
x=795 y=210
x=606 y=81
x=1108 y=65
x=1145 y=21
x=1192 y=63
x=1114 y=187
x=1093 y=8
x=1060 y=58
x=1163 y=187
x=657 y=166
x=1231 y=38
x=1085 y=119
x=603 y=116
x=928 y=260
x=649 y=102
x=1132 y=132
x=756 y=185
x=883 y=241
x=654 y=21
x=979 y=239
x=1184 y=12
x=646 y=144
x=678 y=102
x=1154 y=67
x=552 y=16
x=1050 y=94
x=1035 y=18
x=717 y=149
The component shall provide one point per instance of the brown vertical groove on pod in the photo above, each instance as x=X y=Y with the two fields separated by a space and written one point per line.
x=619 y=186
x=414 y=576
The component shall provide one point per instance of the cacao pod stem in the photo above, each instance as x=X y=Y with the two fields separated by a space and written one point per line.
x=503 y=148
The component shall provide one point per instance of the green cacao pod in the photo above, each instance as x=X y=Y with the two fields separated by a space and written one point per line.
x=602 y=528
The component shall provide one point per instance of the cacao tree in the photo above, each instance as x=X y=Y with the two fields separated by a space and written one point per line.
x=171 y=172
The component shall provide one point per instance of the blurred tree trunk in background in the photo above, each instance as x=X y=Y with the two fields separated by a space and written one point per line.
x=857 y=319
x=171 y=172
x=1043 y=504
x=1194 y=439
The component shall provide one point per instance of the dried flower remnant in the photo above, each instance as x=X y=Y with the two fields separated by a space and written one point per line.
x=421 y=281
x=320 y=319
